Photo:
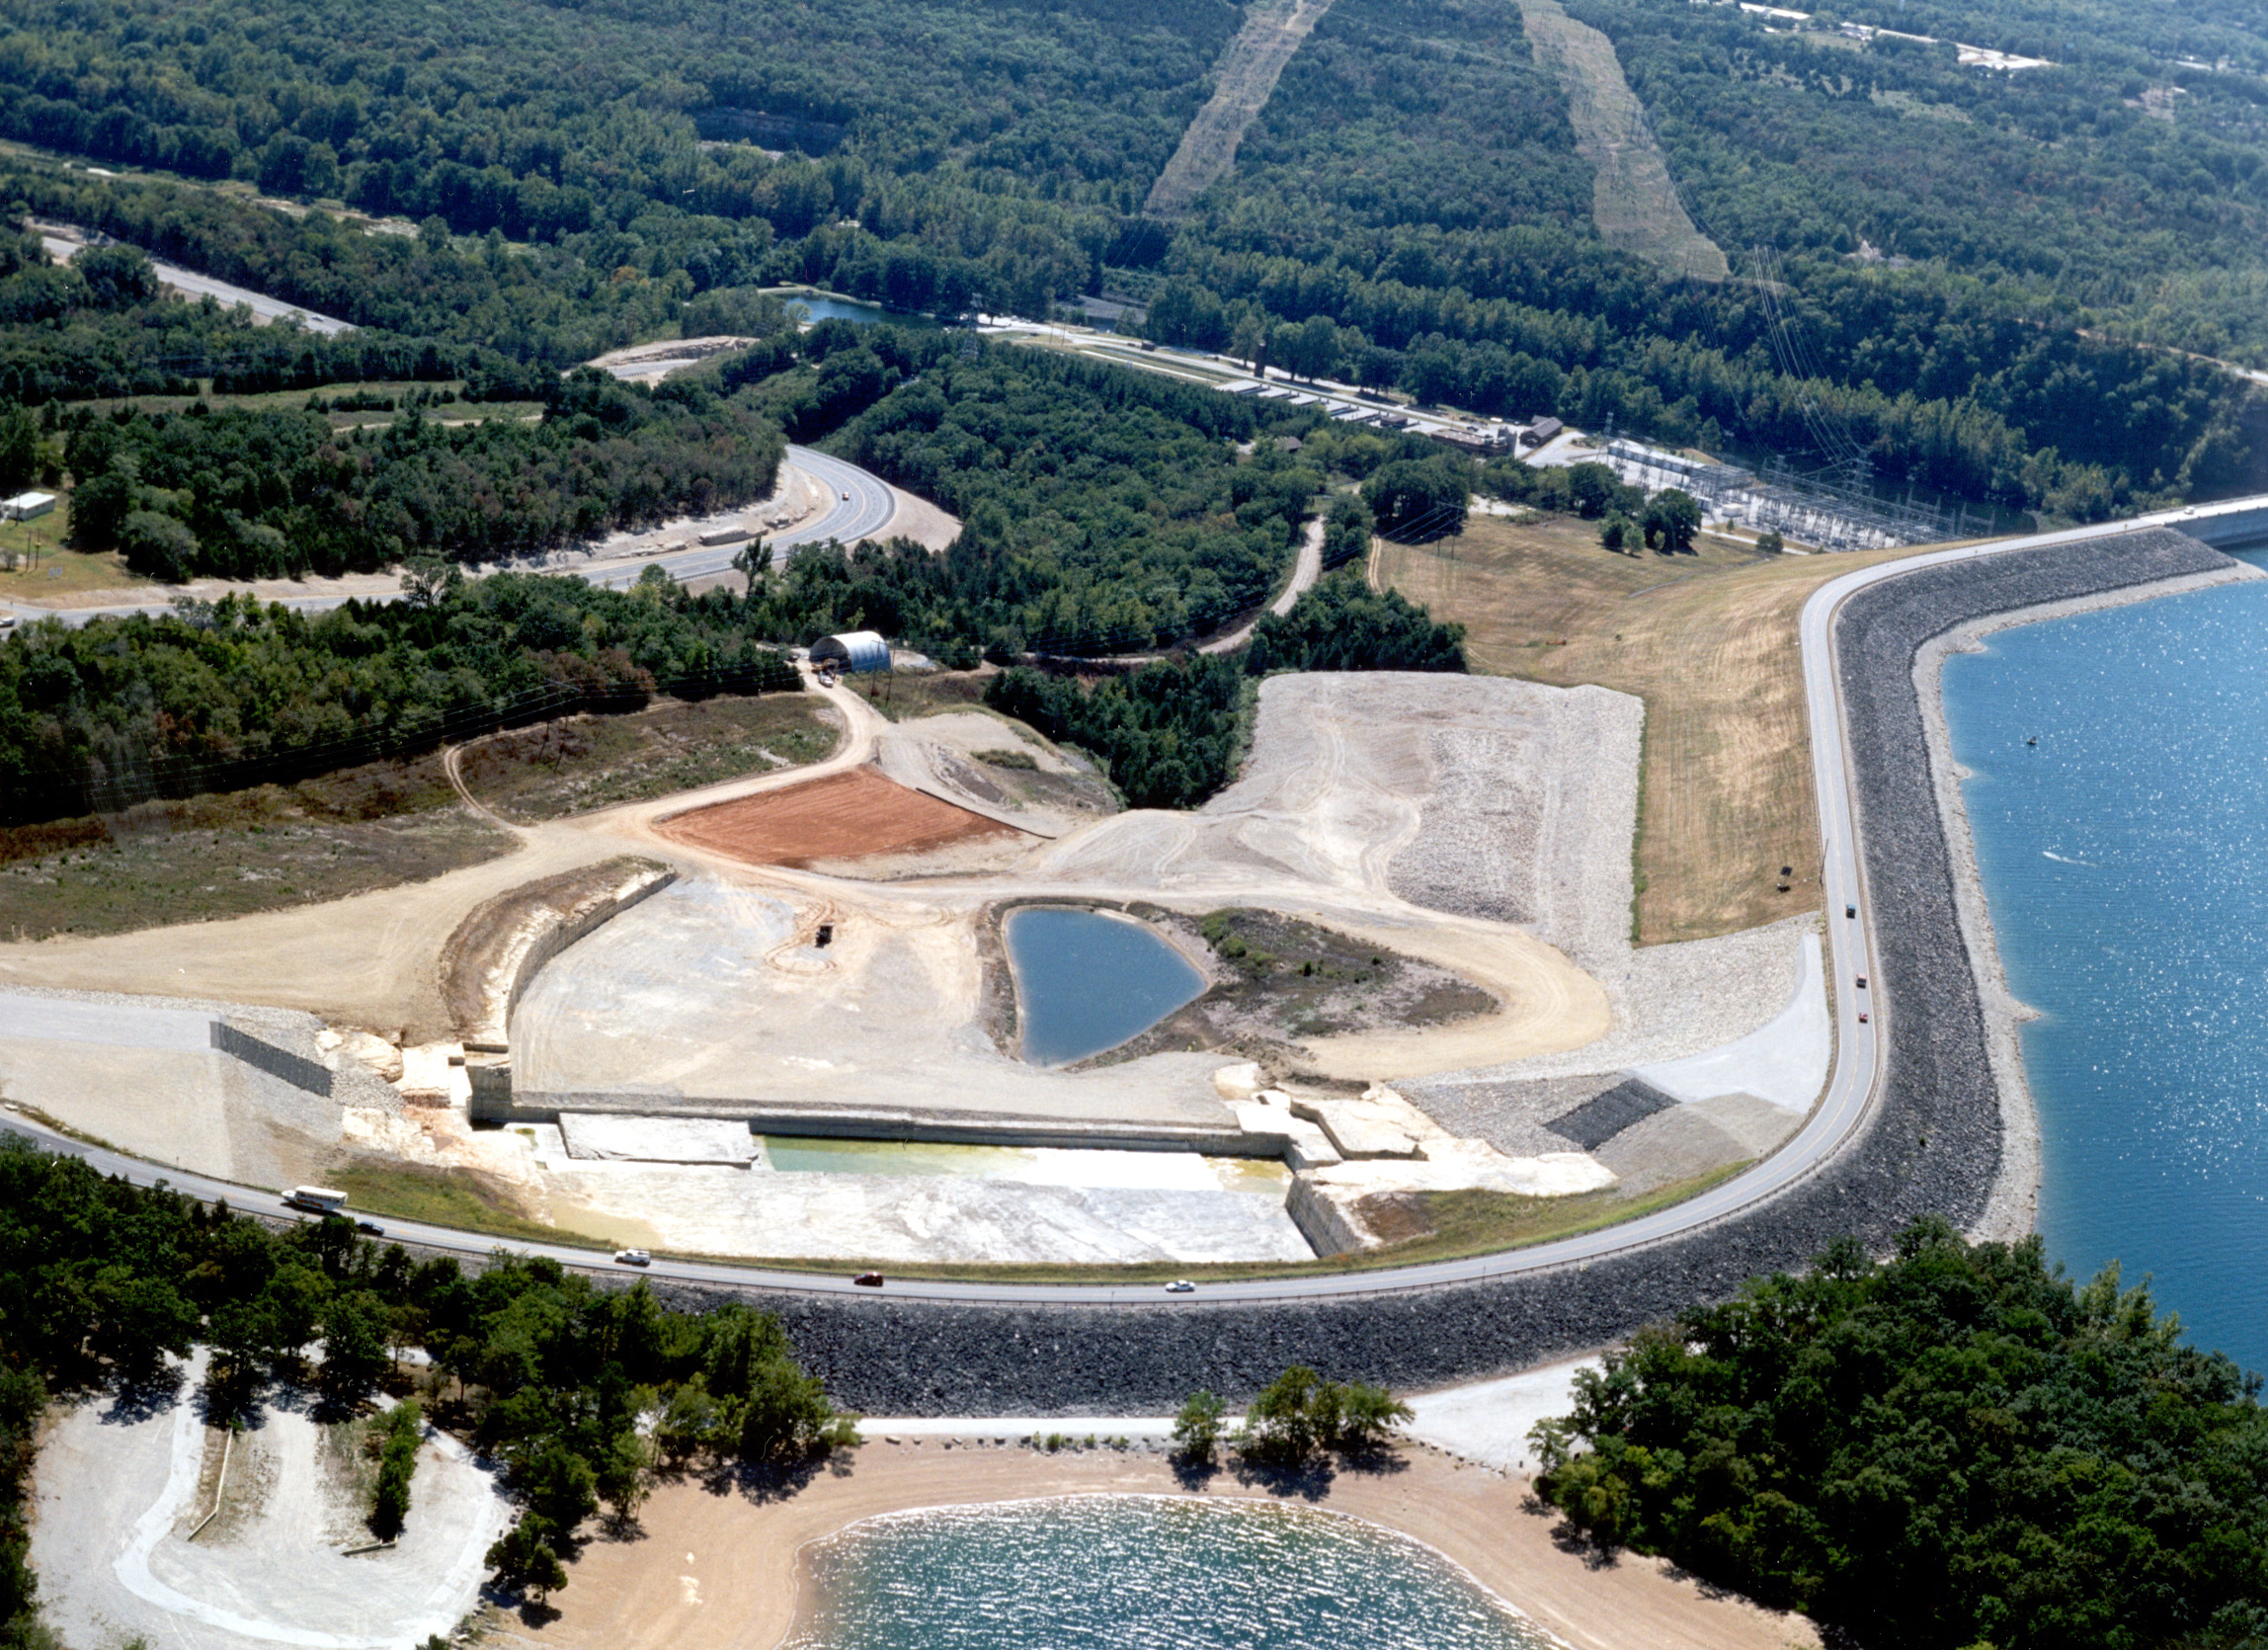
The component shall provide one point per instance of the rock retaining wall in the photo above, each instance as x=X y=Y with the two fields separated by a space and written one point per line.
x=501 y=943
x=1932 y=1147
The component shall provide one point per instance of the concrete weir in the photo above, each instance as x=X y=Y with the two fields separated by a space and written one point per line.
x=1932 y=1143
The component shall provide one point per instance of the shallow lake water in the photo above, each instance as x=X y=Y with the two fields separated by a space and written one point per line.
x=2124 y=859
x=1144 y=1573
x=1086 y=981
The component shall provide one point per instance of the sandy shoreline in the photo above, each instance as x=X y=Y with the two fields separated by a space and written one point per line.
x=2012 y=1211
x=738 y=1581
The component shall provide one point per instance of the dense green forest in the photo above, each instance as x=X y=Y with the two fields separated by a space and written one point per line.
x=1407 y=210
x=2064 y=187
x=102 y=1282
x=1951 y=1448
x=226 y=693
x=250 y=495
x=1102 y=510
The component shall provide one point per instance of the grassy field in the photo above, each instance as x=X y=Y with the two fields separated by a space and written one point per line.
x=905 y=696
x=1709 y=642
x=582 y=763
x=295 y=400
x=1634 y=203
x=234 y=854
x=455 y=1198
x=35 y=565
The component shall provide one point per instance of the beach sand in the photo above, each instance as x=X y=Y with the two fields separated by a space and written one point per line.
x=717 y=1570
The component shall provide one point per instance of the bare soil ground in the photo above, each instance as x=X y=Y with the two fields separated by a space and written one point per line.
x=921 y=521
x=719 y=1566
x=846 y=816
x=1634 y=203
x=1277 y=981
x=1709 y=642
x=241 y=852
x=1243 y=81
x=580 y=763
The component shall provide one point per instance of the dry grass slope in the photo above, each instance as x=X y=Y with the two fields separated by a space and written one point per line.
x=1244 y=80
x=1709 y=642
x=212 y=858
x=1633 y=202
x=581 y=762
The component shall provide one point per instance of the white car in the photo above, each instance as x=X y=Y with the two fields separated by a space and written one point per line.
x=632 y=1257
x=1180 y=1285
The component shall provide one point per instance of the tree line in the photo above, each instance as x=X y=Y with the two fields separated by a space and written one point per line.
x=250 y=495
x=221 y=694
x=1953 y=1446
x=1371 y=227
x=1103 y=509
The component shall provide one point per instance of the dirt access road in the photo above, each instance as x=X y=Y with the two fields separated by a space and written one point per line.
x=375 y=959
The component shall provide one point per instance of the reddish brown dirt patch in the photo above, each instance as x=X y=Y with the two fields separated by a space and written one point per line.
x=845 y=816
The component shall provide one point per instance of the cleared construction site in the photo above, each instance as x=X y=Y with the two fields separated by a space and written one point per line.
x=783 y=1017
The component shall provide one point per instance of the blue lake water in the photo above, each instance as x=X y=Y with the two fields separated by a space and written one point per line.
x=2124 y=859
x=1085 y=982
x=1136 y=1573
x=819 y=306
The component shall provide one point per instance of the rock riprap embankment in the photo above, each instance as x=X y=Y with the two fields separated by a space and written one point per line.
x=1932 y=1147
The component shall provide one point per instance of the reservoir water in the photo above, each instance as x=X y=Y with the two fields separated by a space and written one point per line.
x=1141 y=1573
x=1086 y=981
x=2125 y=860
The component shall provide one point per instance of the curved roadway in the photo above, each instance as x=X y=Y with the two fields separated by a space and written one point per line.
x=1860 y=1050
x=859 y=505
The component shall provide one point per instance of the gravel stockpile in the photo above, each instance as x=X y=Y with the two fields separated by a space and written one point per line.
x=1512 y=828
x=1933 y=1147
x=1476 y=848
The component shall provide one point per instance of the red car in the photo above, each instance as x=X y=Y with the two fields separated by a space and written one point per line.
x=868 y=1279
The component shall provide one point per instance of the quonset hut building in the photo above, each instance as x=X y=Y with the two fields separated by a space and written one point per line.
x=853 y=653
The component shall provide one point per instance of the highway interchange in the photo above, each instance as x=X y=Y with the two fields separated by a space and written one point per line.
x=1862 y=1050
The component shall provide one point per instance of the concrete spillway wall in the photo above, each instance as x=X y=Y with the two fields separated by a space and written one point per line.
x=1932 y=1146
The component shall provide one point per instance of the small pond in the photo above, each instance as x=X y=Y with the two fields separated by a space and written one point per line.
x=828 y=306
x=1088 y=981
x=1143 y=1573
